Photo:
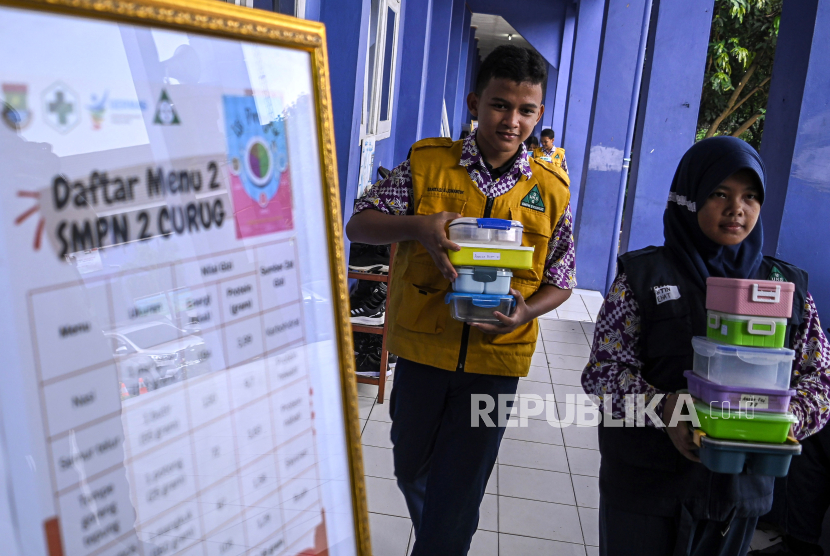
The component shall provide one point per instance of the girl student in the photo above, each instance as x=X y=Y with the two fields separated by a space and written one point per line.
x=655 y=496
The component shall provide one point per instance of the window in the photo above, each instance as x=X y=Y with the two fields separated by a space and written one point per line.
x=381 y=59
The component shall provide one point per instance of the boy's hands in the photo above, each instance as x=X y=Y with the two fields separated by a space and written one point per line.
x=431 y=232
x=521 y=315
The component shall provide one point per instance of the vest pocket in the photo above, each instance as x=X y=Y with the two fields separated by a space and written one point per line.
x=423 y=308
x=665 y=325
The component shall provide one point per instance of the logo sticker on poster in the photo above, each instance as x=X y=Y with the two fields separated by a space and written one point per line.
x=16 y=113
x=165 y=111
x=257 y=166
x=60 y=106
x=97 y=108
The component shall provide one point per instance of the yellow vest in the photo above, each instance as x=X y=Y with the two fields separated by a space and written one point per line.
x=420 y=327
x=556 y=156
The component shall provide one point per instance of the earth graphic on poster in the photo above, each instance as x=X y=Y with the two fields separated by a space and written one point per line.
x=258 y=165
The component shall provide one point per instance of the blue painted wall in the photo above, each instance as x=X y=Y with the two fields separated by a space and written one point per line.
x=346 y=31
x=607 y=132
x=581 y=91
x=460 y=22
x=412 y=66
x=565 y=59
x=800 y=94
x=436 y=74
x=667 y=116
x=461 y=90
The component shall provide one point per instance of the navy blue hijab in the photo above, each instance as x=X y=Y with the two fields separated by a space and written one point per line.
x=701 y=170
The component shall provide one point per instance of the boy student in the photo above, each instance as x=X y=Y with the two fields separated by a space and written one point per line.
x=549 y=151
x=445 y=368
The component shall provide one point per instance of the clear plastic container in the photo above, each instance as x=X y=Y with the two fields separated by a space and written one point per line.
x=769 y=368
x=470 y=307
x=486 y=230
x=477 y=279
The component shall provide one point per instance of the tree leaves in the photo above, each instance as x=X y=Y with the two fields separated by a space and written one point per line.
x=741 y=51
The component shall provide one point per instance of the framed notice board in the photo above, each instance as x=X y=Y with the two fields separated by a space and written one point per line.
x=177 y=364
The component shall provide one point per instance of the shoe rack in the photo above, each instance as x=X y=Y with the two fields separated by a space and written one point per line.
x=380 y=381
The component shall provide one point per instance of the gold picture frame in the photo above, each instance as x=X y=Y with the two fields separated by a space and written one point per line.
x=220 y=19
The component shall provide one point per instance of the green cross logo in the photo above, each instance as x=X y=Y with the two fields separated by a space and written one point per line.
x=533 y=200
x=61 y=107
x=776 y=276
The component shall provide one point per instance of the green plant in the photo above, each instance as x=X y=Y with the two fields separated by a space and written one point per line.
x=739 y=68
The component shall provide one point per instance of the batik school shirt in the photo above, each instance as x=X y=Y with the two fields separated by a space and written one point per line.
x=614 y=365
x=393 y=195
x=550 y=152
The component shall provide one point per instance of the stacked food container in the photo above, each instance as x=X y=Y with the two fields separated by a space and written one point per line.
x=491 y=248
x=741 y=378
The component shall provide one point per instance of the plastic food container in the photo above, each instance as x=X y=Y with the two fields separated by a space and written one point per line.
x=758 y=298
x=477 y=254
x=740 y=330
x=471 y=307
x=743 y=366
x=752 y=426
x=741 y=397
x=486 y=230
x=481 y=279
x=733 y=457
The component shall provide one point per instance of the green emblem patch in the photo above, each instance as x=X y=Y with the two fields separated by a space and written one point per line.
x=533 y=200
x=776 y=276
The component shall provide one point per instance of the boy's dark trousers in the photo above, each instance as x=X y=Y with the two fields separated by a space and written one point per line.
x=442 y=463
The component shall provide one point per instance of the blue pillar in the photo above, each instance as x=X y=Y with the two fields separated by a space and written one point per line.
x=581 y=90
x=548 y=100
x=461 y=90
x=458 y=35
x=346 y=24
x=667 y=117
x=796 y=144
x=564 y=76
x=412 y=67
x=436 y=71
x=607 y=134
x=469 y=78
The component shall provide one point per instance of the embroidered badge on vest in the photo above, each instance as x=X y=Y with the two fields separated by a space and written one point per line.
x=666 y=293
x=533 y=200
x=776 y=276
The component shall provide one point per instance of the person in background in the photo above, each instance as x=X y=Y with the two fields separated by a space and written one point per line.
x=442 y=461
x=655 y=496
x=801 y=500
x=532 y=143
x=549 y=152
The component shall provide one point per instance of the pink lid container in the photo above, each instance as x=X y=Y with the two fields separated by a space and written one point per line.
x=757 y=298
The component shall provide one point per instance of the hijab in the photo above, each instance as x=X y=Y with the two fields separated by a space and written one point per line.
x=704 y=166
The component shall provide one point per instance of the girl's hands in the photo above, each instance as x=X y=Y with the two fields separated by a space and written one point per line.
x=681 y=434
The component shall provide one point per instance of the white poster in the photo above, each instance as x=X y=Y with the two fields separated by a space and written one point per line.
x=171 y=380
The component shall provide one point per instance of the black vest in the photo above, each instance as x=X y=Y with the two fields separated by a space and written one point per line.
x=641 y=469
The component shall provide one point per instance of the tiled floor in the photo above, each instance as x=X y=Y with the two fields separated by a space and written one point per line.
x=543 y=495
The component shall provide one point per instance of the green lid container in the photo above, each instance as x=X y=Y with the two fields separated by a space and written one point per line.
x=739 y=330
x=728 y=423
